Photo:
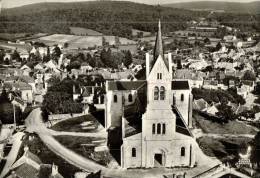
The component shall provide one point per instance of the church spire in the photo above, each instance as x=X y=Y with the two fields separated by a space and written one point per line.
x=158 y=48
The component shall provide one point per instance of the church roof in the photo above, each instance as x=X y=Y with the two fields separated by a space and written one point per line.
x=180 y=85
x=158 y=48
x=125 y=85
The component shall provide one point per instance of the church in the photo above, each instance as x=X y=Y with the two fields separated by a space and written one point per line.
x=155 y=115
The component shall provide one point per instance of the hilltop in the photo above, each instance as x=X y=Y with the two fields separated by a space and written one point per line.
x=234 y=7
x=109 y=18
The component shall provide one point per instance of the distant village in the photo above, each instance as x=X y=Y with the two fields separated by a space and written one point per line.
x=74 y=75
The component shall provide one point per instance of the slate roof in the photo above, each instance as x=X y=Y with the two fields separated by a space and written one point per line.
x=180 y=85
x=125 y=85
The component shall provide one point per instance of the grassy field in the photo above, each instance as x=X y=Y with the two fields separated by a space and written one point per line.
x=232 y=127
x=83 y=31
x=74 y=124
x=78 y=145
x=225 y=149
x=12 y=36
x=76 y=42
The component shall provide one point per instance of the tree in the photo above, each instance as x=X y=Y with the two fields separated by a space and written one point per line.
x=249 y=75
x=128 y=58
x=207 y=41
x=218 y=46
x=226 y=112
x=59 y=98
x=2 y=55
x=15 y=56
x=66 y=45
x=56 y=53
x=7 y=110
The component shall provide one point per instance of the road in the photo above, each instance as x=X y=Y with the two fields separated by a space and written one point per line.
x=34 y=124
x=199 y=133
x=13 y=153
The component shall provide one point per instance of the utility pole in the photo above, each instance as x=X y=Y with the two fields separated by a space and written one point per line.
x=14 y=117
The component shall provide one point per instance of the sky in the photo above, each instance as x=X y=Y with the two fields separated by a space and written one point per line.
x=15 y=3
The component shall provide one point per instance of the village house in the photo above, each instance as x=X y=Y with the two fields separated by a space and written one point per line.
x=29 y=165
x=20 y=89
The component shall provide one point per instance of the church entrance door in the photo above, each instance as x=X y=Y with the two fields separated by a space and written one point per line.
x=158 y=160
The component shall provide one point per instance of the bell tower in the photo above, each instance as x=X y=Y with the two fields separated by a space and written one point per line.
x=158 y=76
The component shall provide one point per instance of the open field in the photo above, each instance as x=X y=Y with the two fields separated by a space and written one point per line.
x=84 y=31
x=12 y=36
x=225 y=149
x=86 y=123
x=12 y=46
x=76 y=42
x=232 y=127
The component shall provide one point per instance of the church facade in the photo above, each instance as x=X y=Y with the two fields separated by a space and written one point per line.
x=154 y=115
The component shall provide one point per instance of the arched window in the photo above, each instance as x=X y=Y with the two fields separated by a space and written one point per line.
x=130 y=98
x=156 y=93
x=162 y=93
x=182 y=97
x=158 y=128
x=182 y=151
x=153 y=129
x=163 y=129
x=115 y=98
x=133 y=152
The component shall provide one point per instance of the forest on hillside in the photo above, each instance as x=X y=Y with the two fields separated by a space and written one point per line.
x=110 y=18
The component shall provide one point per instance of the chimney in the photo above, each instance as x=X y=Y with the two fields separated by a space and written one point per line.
x=147 y=57
x=74 y=89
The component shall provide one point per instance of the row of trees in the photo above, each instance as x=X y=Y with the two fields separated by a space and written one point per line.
x=218 y=96
x=107 y=58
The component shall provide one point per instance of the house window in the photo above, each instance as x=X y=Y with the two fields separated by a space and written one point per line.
x=115 y=98
x=163 y=129
x=153 y=129
x=182 y=97
x=156 y=93
x=182 y=151
x=133 y=152
x=158 y=128
x=130 y=98
x=162 y=93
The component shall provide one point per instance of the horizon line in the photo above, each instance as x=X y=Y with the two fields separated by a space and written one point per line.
x=134 y=1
